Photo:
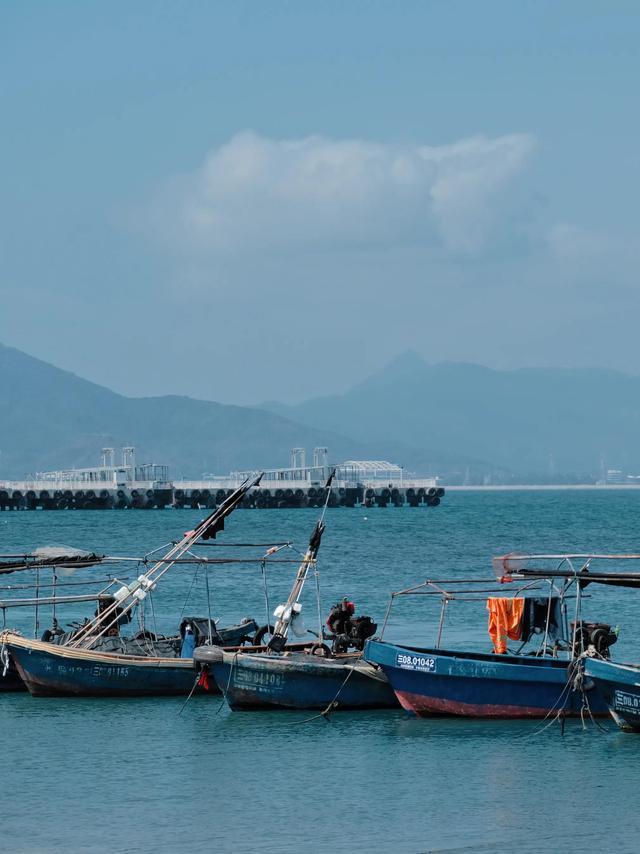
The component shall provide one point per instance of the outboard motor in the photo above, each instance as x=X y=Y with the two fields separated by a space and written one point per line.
x=358 y=630
x=361 y=629
x=599 y=636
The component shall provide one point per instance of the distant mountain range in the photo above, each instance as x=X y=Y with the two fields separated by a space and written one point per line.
x=52 y=419
x=456 y=420
x=536 y=423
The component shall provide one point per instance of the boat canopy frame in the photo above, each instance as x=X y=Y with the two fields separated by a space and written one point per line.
x=436 y=587
x=510 y=568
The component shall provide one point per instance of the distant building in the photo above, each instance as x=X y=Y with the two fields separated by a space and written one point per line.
x=108 y=473
x=617 y=476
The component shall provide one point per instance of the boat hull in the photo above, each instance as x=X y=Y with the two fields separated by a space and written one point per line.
x=619 y=687
x=49 y=670
x=431 y=682
x=300 y=681
x=11 y=680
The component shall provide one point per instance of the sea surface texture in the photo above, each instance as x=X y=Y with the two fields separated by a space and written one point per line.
x=157 y=775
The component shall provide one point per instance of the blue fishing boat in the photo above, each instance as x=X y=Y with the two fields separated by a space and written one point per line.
x=619 y=687
x=296 y=680
x=317 y=678
x=9 y=677
x=542 y=677
x=94 y=660
x=116 y=666
x=53 y=670
x=429 y=681
x=61 y=559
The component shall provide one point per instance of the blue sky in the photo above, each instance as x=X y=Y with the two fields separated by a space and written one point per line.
x=245 y=201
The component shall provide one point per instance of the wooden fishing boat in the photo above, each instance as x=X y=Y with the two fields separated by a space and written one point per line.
x=52 y=670
x=60 y=559
x=10 y=679
x=531 y=682
x=429 y=681
x=296 y=680
x=115 y=666
x=95 y=661
x=283 y=678
x=619 y=687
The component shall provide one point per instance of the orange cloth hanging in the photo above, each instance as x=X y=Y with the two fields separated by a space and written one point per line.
x=505 y=621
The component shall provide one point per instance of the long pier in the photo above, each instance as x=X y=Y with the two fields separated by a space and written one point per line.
x=369 y=483
x=147 y=495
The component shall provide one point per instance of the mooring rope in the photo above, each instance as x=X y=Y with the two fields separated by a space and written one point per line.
x=562 y=697
x=191 y=692
x=225 y=691
x=325 y=713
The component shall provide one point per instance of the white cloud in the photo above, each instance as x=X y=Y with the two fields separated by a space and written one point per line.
x=254 y=193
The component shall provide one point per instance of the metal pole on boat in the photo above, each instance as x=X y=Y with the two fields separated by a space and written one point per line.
x=53 y=609
x=318 y=605
x=443 y=608
x=206 y=584
x=36 y=625
x=386 y=615
x=577 y=615
x=286 y=611
x=546 y=622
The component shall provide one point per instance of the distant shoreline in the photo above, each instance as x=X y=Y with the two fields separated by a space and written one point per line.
x=537 y=487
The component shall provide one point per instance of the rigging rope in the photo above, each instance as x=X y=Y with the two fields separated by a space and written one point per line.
x=206 y=584
x=193 y=581
x=153 y=615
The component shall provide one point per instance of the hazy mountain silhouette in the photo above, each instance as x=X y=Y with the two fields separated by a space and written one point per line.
x=544 y=421
x=433 y=419
x=50 y=419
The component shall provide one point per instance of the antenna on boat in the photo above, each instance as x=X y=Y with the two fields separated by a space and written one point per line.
x=135 y=592
x=287 y=613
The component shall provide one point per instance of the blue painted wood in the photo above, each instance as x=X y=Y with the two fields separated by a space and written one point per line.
x=50 y=670
x=300 y=681
x=431 y=681
x=11 y=680
x=619 y=687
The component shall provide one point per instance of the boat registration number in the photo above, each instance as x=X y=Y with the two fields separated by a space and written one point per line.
x=258 y=680
x=624 y=702
x=415 y=662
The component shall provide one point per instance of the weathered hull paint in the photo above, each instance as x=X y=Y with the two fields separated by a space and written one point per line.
x=421 y=707
x=298 y=681
x=11 y=681
x=619 y=687
x=440 y=682
x=49 y=670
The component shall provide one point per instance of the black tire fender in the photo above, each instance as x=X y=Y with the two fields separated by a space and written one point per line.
x=260 y=634
x=319 y=649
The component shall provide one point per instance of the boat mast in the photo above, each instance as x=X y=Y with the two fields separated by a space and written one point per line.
x=137 y=590
x=289 y=610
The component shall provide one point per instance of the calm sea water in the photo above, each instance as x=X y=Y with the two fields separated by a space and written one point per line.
x=137 y=776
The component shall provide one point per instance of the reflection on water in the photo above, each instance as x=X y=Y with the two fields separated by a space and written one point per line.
x=135 y=775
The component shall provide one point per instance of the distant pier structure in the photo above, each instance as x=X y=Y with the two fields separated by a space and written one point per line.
x=369 y=483
x=109 y=485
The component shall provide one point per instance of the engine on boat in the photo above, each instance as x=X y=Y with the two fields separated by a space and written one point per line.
x=599 y=636
x=357 y=630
